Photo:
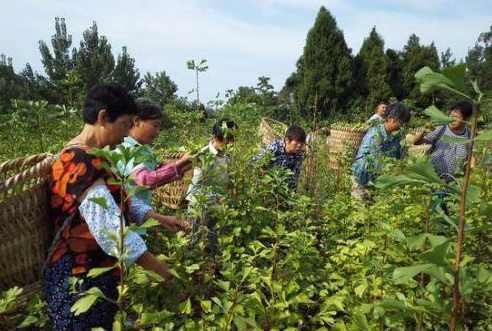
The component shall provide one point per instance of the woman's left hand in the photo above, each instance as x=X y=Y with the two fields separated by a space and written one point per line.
x=174 y=224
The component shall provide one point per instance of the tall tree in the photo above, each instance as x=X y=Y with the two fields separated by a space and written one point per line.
x=125 y=72
x=479 y=61
x=416 y=56
x=373 y=70
x=9 y=82
x=395 y=73
x=58 y=63
x=265 y=91
x=159 y=88
x=95 y=62
x=326 y=82
x=447 y=58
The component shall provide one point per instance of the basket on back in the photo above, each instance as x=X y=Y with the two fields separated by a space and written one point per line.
x=24 y=227
x=343 y=142
x=270 y=130
x=172 y=195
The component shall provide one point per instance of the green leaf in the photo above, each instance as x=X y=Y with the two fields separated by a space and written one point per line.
x=101 y=201
x=484 y=135
x=117 y=325
x=360 y=322
x=437 y=255
x=404 y=274
x=419 y=241
x=28 y=321
x=456 y=74
x=416 y=242
x=359 y=290
x=94 y=272
x=206 y=306
x=430 y=81
x=484 y=275
x=387 y=181
x=192 y=268
x=185 y=307
x=150 y=223
x=87 y=299
x=395 y=305
x=240 y=323
x=217 y=301
x=437 y=116
x=8 y=299
x=439 y=274
x=451 y=220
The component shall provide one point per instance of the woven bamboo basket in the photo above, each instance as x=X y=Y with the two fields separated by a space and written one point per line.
x=270 y=130
x=315 y=144
x=342 y=142
x=172 y=195
x=24 y=227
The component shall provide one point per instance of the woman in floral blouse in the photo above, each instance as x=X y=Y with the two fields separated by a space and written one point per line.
x=82 y=226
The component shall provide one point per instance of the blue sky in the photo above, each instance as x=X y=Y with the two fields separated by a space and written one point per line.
x=241 y=39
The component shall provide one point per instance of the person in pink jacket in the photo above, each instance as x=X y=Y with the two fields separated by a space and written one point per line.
x=151 y=173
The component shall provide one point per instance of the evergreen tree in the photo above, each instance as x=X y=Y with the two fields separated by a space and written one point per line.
x=10 y=86
x=31 y=83
x=479 y=61
x=395 y=73
x=125 y=72
x=416 y=56
x=372 y=70
x=447 y=59
x=326 y=81
x=95 y=62
x=159 y=87
x=265 y=91
x=57 y=65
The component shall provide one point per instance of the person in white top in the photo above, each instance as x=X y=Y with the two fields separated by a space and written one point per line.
x=378 y=116
x=209 y=181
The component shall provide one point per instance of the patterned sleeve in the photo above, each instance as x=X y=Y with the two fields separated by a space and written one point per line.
x=103 y=222
x=139 y=208
x=370 y=145
x=434 y=135
x=367 y=156
x=269 y=149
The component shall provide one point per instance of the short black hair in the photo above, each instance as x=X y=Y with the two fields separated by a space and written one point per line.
x=295 y=132
x=219 y=129
x=464 y=107
x=148 y=110
x=398 y=111
x=114 y=98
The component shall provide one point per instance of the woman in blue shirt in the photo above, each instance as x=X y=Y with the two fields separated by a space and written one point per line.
x=382 y=140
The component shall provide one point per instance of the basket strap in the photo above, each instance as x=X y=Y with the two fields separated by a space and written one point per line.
x=38 y=170
x=22 y=161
